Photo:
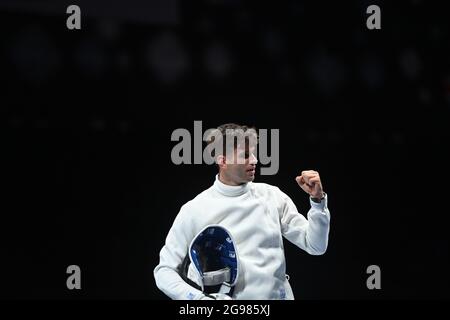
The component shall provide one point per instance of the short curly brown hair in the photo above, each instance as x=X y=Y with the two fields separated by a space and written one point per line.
x=238 y=133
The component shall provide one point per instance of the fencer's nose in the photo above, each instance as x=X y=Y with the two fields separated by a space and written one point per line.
x=253 y=160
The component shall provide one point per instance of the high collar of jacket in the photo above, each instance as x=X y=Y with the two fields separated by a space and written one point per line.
x=230 y=191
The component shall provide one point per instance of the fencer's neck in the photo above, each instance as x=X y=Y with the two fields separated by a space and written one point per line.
x=230 y=190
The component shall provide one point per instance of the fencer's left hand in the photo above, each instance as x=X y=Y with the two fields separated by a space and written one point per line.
x=221 y=296
x=310 y=182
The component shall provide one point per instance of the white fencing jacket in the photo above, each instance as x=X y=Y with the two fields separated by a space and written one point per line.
x=257 y=215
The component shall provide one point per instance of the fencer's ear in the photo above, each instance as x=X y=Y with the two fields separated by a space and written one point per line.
x=221 y=161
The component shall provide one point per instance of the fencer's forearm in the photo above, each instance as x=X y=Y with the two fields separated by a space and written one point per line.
x=318 y=227
x=170 y=282
x=309 y=234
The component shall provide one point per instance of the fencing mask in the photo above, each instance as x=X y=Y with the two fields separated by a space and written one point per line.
x=212 y=264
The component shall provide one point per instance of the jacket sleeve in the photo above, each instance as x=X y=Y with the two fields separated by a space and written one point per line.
x=171 y=256
x=311 y=233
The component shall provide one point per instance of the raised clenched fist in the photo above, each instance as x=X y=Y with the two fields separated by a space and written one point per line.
x=309 y=181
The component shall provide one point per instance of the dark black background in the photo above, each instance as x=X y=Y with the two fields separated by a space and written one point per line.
x=87 y=116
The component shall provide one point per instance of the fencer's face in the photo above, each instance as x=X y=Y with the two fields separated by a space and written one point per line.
x=240 y=165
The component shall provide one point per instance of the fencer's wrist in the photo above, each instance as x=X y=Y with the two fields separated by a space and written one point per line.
x=318 y=198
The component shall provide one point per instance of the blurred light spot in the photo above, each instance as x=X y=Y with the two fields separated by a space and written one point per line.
x=91 y=58
x=313 y=137
x=410 y=64
x=124 y=126
x=35 y=55
x=108 y=30
x=41 y=124
x=98 y=124
x=218 y=61
x=436 y=33
x=168 y=58
x=424 y=96
x=398 y=138
x=372 y=72
x=375 y=138
x=334 y=137
x=273 y=44
x=327 y=72
x=15 y=122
